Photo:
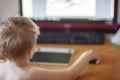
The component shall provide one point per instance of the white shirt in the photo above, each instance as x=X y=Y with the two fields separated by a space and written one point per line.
x=9 y=71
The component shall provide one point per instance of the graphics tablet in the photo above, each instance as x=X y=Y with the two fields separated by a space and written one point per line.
x=52 y=56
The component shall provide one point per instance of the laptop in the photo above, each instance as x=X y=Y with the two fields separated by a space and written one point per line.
x=52 y=56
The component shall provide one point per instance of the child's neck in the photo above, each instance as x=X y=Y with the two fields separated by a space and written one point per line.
x=21 y=63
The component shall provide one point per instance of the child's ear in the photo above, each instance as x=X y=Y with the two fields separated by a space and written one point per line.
x=31 y=51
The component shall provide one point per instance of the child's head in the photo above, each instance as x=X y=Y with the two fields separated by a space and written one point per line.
x=17 y=36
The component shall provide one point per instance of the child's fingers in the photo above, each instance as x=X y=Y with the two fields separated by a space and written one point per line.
x=98 y=61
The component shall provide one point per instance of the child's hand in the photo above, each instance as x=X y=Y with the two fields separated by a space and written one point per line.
x=93 y=56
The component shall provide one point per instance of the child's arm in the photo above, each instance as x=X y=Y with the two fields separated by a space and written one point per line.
x=69 y=74
x=82 y=61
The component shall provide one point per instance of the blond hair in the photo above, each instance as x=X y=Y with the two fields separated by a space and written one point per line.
x=17 y=36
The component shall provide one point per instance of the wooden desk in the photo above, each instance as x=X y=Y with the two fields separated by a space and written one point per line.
x=108 y=69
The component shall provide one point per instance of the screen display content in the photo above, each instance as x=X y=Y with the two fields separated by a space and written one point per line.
x=73 y=14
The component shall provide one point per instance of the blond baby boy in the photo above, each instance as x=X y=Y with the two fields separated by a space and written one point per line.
x=17 y=43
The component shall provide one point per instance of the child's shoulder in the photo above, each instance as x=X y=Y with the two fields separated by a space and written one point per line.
x=8 y=71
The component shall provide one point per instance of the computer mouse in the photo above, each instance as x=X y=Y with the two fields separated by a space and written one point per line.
x=93 y=61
